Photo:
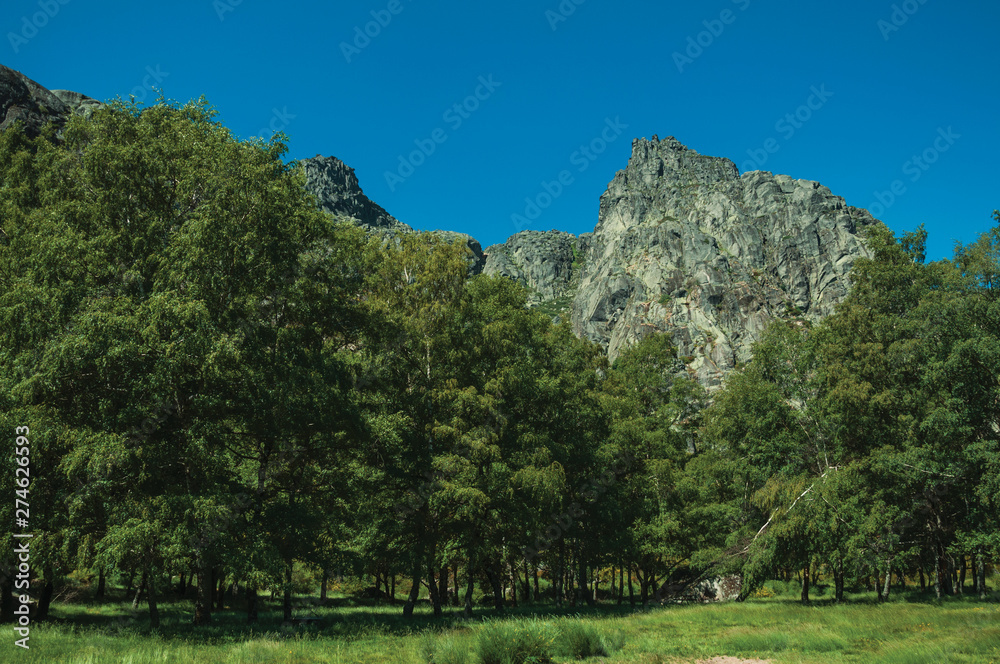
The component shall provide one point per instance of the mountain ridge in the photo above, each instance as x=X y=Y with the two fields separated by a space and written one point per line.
x=684 y=244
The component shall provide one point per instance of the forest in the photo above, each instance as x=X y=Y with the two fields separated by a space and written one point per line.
x=207 y=382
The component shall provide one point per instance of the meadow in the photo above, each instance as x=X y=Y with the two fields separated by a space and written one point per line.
x=911 y=628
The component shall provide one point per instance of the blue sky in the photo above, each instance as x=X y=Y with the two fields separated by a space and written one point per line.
x=888 y=82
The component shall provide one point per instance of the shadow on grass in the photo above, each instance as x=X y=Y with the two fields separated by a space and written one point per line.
x=355 y=619
x=342 y=618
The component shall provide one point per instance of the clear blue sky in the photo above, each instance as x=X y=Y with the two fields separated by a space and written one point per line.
x=892 y=93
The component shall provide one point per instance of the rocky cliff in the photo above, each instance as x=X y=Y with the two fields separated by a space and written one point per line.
x=23 y=99
x=339 y=193
x=548 y=264
x=686 y=246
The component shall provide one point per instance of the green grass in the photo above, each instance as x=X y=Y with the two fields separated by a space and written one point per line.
x=909 y=628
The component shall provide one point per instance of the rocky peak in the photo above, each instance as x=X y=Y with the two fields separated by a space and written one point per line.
x=23 y=99
x=338 y=192
x=686 y=246
x=669 y=160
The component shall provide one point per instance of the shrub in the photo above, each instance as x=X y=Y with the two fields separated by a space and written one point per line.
x=444 y=649
x=522 y=642
x=580 y=640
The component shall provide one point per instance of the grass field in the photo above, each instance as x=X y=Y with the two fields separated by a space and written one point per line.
x=910 y=629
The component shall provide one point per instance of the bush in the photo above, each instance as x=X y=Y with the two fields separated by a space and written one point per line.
x=580 y=640
x=445 y=649
x=521 y=642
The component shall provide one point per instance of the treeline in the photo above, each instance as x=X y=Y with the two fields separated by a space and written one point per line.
x=222 y=382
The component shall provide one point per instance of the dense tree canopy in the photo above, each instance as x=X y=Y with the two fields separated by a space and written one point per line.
x=223 y=383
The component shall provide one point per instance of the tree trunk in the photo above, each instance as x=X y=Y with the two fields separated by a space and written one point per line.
x=128 y=583
x=614 y=579
x=621 y=584
x=923 y=579
x=220 y=592
x=838 y=578
x=560 y=576
x=432 y=587
x=534 y=576
x=45 y=599
x=286 y=604
x=631 y=591
x=154 y=611
x=570 y=590
x=949 y=572
x=961 y=576
x=937 y=576
x=527 y=581
x=392 y=588
x=585 y=595
x=252 y=603
x=101 y=582
x=643 y=587
x=411 y=601
x=888 y=580
x=140 y=590
x=322 y=588
x=443 y=586
x=494 y=580
x=514 y=581
x=805 y=585
x=980 y=572
x=203 y=596
x=469 y=588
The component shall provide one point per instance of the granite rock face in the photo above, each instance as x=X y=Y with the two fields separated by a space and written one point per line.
x=339 y=193
x=686 y=246
x=23 y=99
x=77 y=103
x=547 y=264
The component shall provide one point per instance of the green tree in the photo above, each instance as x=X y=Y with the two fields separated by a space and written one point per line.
x=185 y=340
